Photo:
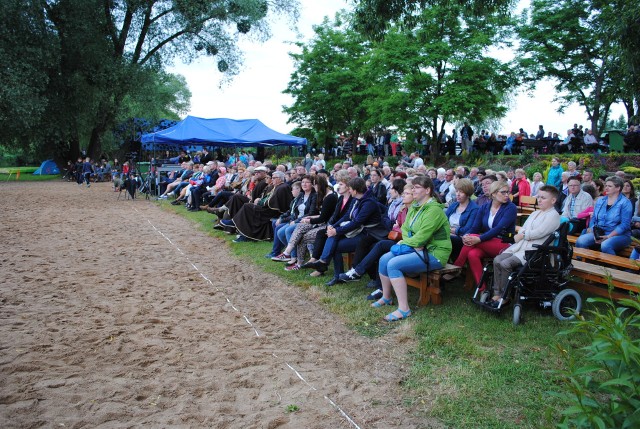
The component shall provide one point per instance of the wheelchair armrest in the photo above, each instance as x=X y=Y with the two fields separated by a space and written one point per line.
x=541 y=247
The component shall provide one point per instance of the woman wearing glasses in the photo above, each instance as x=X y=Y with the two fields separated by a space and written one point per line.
x=494 y=220
x=425 y=246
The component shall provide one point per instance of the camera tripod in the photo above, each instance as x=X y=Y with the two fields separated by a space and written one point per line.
x=149 y=185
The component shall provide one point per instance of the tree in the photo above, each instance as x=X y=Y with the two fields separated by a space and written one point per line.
x=104 y=46
x=28 y=51
x=566 y=41
x=620 y=19
x=328 y=84
x=374 y=17
x=438 y=73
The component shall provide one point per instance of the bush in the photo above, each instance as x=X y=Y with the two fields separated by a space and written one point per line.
x=602 y=380
x=632 y=170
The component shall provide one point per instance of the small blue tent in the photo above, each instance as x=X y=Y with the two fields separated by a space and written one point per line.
x=219 y=132
x=48 y=167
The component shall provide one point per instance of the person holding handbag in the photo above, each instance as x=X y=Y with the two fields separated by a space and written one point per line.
x=366 y=261
x=425 y=246
x=344 y=235
x=494 y=222
x=610 y=224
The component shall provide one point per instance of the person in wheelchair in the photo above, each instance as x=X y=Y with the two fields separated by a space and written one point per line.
x=540 y=225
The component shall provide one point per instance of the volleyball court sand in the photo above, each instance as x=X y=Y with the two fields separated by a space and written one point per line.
x=119 y=314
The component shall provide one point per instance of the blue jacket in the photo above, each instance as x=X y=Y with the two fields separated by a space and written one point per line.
x=340 y=211
x=363 y=212
x=555 y=176
x=617 y=218
x=467 y=218
x=505 y=220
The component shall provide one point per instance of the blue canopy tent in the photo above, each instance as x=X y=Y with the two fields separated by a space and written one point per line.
x=218 y=132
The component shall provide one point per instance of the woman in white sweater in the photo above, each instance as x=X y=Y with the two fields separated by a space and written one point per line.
x=536 y=229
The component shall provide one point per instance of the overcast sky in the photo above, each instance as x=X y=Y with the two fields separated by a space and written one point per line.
x=256 y=93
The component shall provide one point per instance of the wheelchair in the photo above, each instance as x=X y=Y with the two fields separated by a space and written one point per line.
x=542 y=280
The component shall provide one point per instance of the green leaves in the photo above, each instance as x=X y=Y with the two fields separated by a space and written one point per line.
x=605 y=390
x=330 y=80
x=437 y=73
x=75 y=67
x=572 y=43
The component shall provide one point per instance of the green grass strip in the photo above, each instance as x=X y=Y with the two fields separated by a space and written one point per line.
x=470 y=368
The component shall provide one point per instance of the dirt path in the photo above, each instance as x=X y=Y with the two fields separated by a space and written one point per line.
x=118 y=314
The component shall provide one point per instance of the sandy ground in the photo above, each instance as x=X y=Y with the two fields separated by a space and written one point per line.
x=118 y=314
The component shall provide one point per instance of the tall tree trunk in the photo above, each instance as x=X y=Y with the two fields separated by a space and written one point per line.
x=629 y=107
x=435 y=143
x=105 y=121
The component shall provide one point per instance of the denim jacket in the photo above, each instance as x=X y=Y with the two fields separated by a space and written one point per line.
x=617 y=218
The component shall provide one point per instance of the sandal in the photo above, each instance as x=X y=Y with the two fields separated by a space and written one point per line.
x=393 y=318
x=316 y=273
x=381 y=302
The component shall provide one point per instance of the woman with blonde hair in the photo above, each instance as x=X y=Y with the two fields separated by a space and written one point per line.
x=520 y=186
x=537 y=183
x=494 y=221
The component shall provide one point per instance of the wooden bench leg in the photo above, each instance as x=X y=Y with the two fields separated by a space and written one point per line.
x=347 y=259
x=425 y=297
x=434 y=288
x=469 y=281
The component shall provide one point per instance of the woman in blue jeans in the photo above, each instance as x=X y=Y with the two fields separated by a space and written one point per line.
x=343 y=235
x=610 y=225
x=305 y=203
x=425 y=246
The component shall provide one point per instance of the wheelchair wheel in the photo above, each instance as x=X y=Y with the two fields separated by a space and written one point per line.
x=517 y=314
x=566 y=305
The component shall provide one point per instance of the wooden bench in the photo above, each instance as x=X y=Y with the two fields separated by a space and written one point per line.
x=614 y=261
x=625 y=253
x=429 y=285
x=594 y=277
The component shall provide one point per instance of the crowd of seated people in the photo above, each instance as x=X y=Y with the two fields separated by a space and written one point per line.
x=632 y=139
x=403 y=220
x=577 y=139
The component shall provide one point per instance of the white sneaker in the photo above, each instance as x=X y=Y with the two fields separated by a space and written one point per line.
x=349 y=276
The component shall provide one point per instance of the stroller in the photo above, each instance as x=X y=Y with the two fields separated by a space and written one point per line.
x=542 y=279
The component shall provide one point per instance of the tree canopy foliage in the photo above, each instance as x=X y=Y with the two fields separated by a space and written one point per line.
x=439 y=72
x=92 y=61
x=329 y=81
x=374 y=17
x=418 y=80
x=576 y=45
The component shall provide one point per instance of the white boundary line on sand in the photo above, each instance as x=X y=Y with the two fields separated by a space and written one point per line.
x=296 y=372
